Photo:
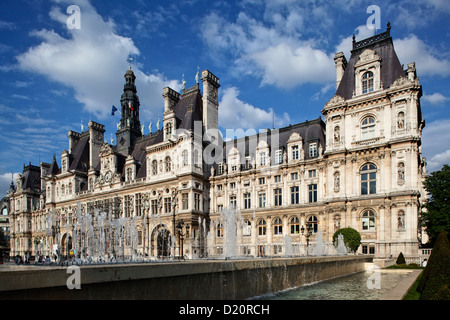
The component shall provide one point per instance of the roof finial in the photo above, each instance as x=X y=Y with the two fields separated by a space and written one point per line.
x=197 y=74
x=183 y=82
x=130 y=62
x=389 y=27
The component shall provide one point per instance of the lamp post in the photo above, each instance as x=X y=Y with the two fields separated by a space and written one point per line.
x=307 y=235
x=181 y=235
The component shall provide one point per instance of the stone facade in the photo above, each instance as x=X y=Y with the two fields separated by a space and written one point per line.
x=361 y=167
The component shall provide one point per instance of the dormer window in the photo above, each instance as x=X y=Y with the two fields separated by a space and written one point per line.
x=367 y=82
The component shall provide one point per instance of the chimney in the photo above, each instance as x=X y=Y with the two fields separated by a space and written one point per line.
x=171 y=98
x=210 y=102
x=73 y=139
x=96 y=132
x=341 y=64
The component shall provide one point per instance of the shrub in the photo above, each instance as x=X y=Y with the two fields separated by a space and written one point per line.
x=436 y=274
x=352 y=238
x=400 y=259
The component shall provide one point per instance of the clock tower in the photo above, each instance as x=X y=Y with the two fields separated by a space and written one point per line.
x=129 y=128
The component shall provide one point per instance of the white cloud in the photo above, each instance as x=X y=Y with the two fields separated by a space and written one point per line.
x=236 y=114
x=5 y=183
x=413 y=49
x=270 y=53
x=435 y=98
x=436 y=144
x=92 y=61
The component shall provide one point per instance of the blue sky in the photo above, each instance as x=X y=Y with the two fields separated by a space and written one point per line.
x=271 y=56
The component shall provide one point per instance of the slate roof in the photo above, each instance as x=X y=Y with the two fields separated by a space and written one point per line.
x=391 y=69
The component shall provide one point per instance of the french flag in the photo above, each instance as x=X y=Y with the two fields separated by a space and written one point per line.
x=130 y=105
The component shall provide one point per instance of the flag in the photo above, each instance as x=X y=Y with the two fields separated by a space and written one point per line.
x=114 y=109
x=130 y=105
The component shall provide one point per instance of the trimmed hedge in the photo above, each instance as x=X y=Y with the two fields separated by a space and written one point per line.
x=435 y=280
x=400 y=259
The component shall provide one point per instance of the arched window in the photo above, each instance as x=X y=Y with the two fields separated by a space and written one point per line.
x=312 y=221
x=262 y=227
x=368 y=179
x=277 y=226
x=155 y=167
x=247 y=229
x=368 y=128
x=367 y=82
x=295 y=225
x=368 y=220
x=129 y=175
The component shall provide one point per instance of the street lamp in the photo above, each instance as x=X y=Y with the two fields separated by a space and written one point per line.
x=181 y=235
x=308 y=234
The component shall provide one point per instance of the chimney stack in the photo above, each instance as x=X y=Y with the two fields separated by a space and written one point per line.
x=341 y=64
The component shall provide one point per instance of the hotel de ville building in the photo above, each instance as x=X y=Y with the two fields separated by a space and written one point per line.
x=359 y=167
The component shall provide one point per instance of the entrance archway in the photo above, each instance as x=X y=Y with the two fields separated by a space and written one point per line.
x=66 y=244
x=163 y=243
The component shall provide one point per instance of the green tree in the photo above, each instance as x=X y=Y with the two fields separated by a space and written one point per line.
x=437 y=214
x=352 y=238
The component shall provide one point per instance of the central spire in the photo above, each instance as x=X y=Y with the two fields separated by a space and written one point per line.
x=130 y=126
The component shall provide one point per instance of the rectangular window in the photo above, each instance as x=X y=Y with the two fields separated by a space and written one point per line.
x=295 y=195
x=247 y=201
x=154 y=206
x=262 y=180
x=262 y=199
x=197 y=201
x=312 y=191
x=262 y=158
x=294 y=176
x=219 y=187
x=220 y=168
x=185 y=201
x=167 y=205
x=220 y=207
x=295 y=153
x=232 y=185
x=233 y=202
x=313 y=150
x=277 y=197
x=278 y=156
x=312 y=173
x=277 y=178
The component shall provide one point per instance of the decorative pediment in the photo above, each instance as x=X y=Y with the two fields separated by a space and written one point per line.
x=295 y=137
x=400 y=82
x=368 y=56
x=336 y=100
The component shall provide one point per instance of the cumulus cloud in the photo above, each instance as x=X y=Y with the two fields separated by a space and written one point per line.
x=92 y=60
x=435 y=98
x=436 y=144
x=5 y=182
x=413 y=49
x=237 y=114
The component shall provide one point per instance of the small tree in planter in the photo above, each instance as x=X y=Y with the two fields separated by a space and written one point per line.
x=400 y=259
x=352 y=238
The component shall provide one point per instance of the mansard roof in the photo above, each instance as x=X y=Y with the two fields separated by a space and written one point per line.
x=79 y=157
x=189 y=109
x=310 y=131
x=391 y=69
x=31 y=178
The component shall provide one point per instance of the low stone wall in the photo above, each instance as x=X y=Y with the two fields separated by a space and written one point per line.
x=200 y=279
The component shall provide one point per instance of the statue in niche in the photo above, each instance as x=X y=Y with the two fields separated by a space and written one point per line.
x=337 y=181
x=337 y=222
x=401 y=120
x=337 y=134
x=401 y=173
x=401 y=220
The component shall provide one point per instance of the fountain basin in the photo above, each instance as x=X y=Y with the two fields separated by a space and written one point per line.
x=199 y=279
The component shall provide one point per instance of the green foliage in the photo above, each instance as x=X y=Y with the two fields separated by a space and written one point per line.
x=436 y=274
x=437 y=213
x=400 y=259
x=352 y=238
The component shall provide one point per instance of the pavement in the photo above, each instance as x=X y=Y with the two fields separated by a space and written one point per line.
x=400 y=290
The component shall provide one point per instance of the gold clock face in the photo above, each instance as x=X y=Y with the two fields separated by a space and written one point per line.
x=108 y=176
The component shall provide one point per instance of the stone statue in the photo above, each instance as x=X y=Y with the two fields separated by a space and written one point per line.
x=401 y=173
x=337 y=135
x=401 y=120
x=150 y=126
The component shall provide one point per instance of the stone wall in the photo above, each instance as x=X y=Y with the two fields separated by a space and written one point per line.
x=192 y=280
